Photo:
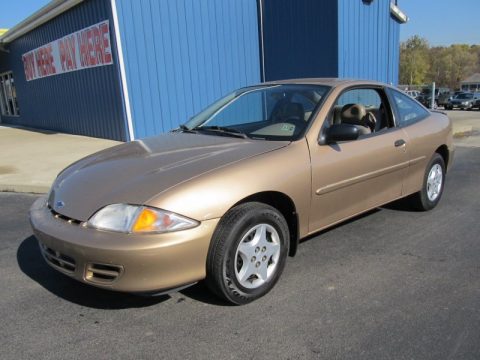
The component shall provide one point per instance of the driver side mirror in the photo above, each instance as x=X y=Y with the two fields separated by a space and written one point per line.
x=341 y=132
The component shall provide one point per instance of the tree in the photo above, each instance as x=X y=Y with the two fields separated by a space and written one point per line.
x=447 y=66
x=414 y=61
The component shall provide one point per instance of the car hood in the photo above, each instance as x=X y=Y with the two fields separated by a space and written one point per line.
x=134 y=172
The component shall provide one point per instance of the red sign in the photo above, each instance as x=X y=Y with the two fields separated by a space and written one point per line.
x=87 y=48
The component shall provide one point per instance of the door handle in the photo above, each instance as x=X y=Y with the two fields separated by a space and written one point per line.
x=400 y=142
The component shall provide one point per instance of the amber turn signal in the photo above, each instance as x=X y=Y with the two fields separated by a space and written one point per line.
x=145 y=221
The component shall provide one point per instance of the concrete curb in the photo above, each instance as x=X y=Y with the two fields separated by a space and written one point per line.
x=20 y=188
x=462 y=131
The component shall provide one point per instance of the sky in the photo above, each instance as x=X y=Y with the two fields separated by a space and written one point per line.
x=441 y=22
x=14 y=11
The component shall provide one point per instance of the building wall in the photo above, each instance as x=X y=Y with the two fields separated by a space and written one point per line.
x=86 y=102
x=300 y=38
x=394 y=53
x=368 y=39
x=181 y=55
x=3 y=61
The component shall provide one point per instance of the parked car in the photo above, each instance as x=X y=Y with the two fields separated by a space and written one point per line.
x=413 y=93
x=441 y=97
x=228 y=195
x=464 y=101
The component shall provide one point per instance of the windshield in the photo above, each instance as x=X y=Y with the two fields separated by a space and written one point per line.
x=269 y=112
x=464 y=96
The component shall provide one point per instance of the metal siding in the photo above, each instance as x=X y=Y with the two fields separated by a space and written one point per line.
x=300 y=38
x=368 y=41
x=85 y=102
x=181 y=55
x=394 y=35
x=4 y=67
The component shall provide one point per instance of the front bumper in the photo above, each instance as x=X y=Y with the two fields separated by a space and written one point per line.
x=122 y=262
x=459 y=106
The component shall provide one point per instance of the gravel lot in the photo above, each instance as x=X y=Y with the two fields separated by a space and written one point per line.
x=392 y=284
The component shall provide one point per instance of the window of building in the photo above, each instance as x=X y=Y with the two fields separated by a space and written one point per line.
x=8 y=95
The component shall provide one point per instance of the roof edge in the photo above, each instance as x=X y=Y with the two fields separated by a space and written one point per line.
x=46 y=13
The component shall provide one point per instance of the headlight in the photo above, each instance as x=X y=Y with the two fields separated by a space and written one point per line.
x=138 y=219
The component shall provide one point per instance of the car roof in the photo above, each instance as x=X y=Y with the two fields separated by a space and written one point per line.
x=324 y=81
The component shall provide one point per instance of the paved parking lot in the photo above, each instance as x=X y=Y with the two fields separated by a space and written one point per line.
x=391 y=284
x=466 y=127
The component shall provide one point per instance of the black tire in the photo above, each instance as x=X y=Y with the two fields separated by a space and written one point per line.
x=420 y=200
x=221 y=260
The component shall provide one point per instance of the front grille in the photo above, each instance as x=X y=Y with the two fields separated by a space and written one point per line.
x=102 y=273
x=59 y=216
x=58 y=260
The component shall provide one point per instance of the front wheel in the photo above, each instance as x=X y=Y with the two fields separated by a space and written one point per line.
x=432 y=189
x=248 y=253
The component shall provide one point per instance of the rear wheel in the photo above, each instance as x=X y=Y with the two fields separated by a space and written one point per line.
x=429 y=196
x=248 y=253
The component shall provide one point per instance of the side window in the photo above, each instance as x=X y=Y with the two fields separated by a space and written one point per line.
x=363 y=108
x=408 y=110
x=367 y=97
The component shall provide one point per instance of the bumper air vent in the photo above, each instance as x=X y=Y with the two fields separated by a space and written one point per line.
x=102 y=273
x=58 y=260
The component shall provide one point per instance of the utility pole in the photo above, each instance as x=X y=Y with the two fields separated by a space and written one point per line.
x=432 y=103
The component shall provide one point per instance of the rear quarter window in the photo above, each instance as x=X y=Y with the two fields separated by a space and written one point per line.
x=408 y=110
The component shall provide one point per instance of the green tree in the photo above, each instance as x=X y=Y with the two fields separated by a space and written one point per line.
x=462 y=65
x=414 y=64
x=447 y=66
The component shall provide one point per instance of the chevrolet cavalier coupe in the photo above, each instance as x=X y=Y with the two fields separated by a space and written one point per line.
x=227 y=196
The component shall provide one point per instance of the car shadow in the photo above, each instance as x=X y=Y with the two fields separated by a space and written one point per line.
x=402 y=204
x=200 y=292
x=33 y=265
x=340 y=224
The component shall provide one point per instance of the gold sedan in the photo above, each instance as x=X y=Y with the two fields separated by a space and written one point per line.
x=227 y=196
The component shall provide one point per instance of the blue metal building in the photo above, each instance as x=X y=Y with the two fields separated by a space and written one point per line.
x=124 y=69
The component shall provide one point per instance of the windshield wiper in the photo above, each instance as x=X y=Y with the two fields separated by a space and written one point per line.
x=185 y=129
x=223 y=130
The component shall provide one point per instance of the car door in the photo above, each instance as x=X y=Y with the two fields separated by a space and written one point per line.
x=420 y=137
x=353 y=176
